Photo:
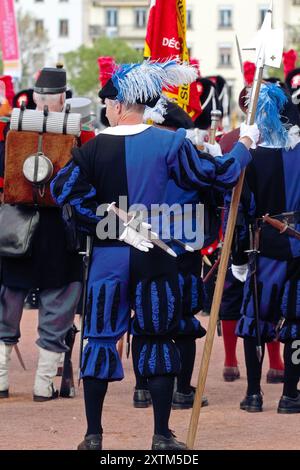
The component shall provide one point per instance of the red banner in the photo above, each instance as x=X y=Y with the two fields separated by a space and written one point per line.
x=165 y=39
x=162 y=39
x=9 y=39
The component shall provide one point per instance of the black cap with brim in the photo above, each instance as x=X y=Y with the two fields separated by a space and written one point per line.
x=103 y=118
x=110 y=92
x=51 y=81
x=275 y=80
x=176 y=117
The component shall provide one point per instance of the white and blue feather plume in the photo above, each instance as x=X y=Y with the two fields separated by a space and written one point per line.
x=145 y=81
x=271 y=102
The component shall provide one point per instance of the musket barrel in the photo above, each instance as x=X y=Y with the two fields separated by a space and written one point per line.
x=281 y=226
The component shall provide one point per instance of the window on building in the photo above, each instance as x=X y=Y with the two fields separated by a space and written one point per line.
x=189 y=18
x=140 y=16
x=111 y=17
x=139 y=48
x=63 y=28
x=95 y=30
x=225 y=55
x=39 y=26
x=225 y=17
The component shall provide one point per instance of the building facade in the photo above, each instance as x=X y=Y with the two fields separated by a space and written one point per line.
x=64 y=21
x=125 y=19
x=211 y=27
x=212 y=31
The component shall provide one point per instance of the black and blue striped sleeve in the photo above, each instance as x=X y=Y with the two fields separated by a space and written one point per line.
x=192 y=169
x=73 y=185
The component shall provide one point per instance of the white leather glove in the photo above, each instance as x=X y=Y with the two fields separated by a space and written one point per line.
x=196 y=136
x=213 y=149
x=250 y=131
x=135 y=239
x=240 y=272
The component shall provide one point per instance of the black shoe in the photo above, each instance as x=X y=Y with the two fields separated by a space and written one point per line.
x=41 y=399
x=141 y=398
x=275 y=376
x=166 y=443
x=4 y=394
x=230 y=374
x=185 y=401
x=91 y=442
x=288 y=405
x=252 y=403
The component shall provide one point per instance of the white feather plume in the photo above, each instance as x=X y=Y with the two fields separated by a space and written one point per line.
x=156 y=114
x=178 y=74
x=146 y=80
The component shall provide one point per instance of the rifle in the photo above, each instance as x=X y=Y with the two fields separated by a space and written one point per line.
x=67 y=388
x=86 y=263
x=282 y=227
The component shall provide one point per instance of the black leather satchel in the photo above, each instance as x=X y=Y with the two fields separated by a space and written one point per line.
x=17 y=227
x=73 y=236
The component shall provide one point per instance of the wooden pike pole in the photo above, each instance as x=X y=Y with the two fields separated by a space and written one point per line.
x=261 y=62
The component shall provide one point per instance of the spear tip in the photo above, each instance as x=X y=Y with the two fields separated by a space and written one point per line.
x=271 y=7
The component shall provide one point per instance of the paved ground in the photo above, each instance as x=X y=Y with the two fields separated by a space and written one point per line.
x=61 y=424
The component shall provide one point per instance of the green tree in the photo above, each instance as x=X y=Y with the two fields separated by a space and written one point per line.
x=82 y=66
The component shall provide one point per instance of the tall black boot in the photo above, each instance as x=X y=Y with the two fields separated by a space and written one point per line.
x=253 y=401
x=94 y=394
x=290 y=401
x=141 y=394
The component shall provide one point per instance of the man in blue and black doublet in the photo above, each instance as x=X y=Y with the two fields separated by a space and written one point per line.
x=186 y=225
x=137 y=161
x=272 y=179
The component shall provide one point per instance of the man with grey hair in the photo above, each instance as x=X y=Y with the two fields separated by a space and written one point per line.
x=51 y=267
x=134 y=161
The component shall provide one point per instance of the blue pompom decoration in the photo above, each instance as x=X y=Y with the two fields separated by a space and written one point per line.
x=271 y=102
